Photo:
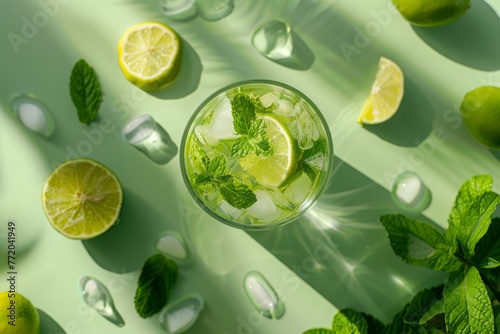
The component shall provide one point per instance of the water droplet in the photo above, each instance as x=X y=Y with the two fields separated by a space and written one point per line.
x=96 y=295
x=32 y=113
x=150 y=138
x=173 y=246
x=263 y=296
x=182 y=314
x=410 y=192
x=274 y=40
x=178 y=9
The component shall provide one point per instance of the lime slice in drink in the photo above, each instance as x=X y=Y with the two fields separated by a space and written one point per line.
x=272 y=170
x=386 y=94
x=149 y=55
x=82 y=199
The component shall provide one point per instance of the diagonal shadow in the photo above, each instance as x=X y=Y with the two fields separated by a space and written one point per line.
x=472 y=40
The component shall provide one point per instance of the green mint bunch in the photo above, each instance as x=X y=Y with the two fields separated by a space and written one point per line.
x=215 y=173
x=469 y=250
x=252 y=130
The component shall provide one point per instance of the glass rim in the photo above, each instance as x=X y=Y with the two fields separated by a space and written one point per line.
x=304 y=206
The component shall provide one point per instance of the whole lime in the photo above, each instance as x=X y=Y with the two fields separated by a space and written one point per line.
x=18 y=315
x=480 y=111
x=431 y=13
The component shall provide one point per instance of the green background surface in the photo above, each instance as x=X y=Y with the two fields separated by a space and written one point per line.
x=339 y=43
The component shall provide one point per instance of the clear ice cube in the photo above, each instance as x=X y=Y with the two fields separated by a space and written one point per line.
x=173 y=246
x=201 y=133
x=264 y=210
x=284 y=108
x=317 y=161
x=97 y=296
x=410 y=192
x=178 y=9
x=180 y=315
x=213 y=10
x=280 y=200
x=298 y=190
x=150 y=138
x=274 y=40
x=32 y=113
x=269 y=98
x=262 y=295
x=229 y=211
x=221 y=125
x=304 y=128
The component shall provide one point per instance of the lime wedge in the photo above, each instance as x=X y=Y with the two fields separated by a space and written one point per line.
x=386 y=94
x=149 y=55
x=82 y=199
x=272 y=170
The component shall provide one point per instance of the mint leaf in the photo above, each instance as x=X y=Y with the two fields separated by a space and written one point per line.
x=241 y=147
x=475 y=221
x=436 y=309
x=201 y=179
x=236 y=193
x=421 y=304
x=466 y=303
x=407 y=320
x=217 y=167
x=156 y=282
x=243 y=111
x=487 y=251
x=318 y=331
x=375 y=326
x=85 y=91
x=489 y=263
x=349 y=321
x=254 y=141
x=471 y=189
x=419 y=244
x=216 y=178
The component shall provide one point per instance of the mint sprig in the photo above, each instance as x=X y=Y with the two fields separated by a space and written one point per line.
x=469 y=250
x=244 y=109
x=85 y=91
x=156 y=282
x=235 y=192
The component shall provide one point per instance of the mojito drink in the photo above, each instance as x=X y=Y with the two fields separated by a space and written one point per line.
x=256 y=154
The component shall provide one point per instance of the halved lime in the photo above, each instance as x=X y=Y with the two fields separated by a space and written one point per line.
x=149 y=55
x=26 y=319
x=480 y=111
x=272 y=170
x=433 y=13
x=82 y=198
x=386 y=94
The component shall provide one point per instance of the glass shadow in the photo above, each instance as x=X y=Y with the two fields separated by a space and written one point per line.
x=340 y=248
x=472 y=40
